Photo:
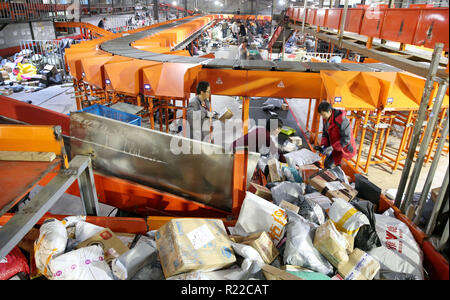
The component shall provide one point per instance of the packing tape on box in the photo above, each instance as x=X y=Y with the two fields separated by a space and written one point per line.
x=329 y=179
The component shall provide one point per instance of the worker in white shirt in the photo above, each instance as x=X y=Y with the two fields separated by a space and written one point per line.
x=243 y=52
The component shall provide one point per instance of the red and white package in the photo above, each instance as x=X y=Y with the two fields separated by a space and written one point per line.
x=13 y=263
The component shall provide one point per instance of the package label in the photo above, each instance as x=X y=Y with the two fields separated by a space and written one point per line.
x=356 y=271
x=335 y=186
x=200 y=237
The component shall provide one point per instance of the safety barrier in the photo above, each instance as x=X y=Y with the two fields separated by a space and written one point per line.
x=414 y=26
x=47 y=52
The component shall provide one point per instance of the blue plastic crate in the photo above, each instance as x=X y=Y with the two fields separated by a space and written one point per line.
x=112 y=113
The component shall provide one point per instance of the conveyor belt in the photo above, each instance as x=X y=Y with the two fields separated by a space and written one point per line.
x=122 y=46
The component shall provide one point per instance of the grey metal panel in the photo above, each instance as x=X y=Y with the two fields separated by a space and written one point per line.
x=257 y=65
x=380 y=67
x=317 y=67
x=186 y=59
x=144 y=156
x=292 y=66
x=354 y=67
x=223 y=63
x=144 y=55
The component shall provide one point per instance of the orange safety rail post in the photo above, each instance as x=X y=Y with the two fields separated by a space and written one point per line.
x=239 y=180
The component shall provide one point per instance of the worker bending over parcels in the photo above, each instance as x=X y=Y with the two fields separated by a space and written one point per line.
x=337 y=138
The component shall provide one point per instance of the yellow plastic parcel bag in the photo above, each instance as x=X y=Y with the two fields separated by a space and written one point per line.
x=25 y=70
x=346 y=218
x=332 y=244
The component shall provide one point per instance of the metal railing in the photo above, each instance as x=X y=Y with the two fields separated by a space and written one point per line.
x=47 y=52
x=29 y=10
x=120 y=24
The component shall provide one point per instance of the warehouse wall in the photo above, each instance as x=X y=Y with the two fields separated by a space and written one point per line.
x=13 y=33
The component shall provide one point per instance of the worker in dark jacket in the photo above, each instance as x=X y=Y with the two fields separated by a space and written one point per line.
x=102 y=22
x=198 y=111
x=337 y=136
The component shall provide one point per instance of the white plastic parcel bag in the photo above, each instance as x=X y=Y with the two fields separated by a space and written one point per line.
x=400 y=252
x=129 y=263
x=299 y=250
x=52 y=242
x=346 y=218
x=303 y=157
x=258 y=214
x=86 y=263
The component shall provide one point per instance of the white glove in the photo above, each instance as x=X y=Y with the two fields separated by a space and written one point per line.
x=209 y=114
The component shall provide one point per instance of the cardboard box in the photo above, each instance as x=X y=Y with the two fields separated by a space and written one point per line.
x=5 y=75
x=360 y=266
x=435 y=194
x=272 y=273
x=307 y=171
x=225 y=115
x=51 y=69
x=286 y=205
x=329 y=185
x=186 y=245
x=30 y=83
x=41 y=77
x=7 y=68
x=320 y=199
x=126 y=238
x=296 y=140
x=275 y=170
x=332 y=244
x=112 y=246
x=5 y=92
x=261 y=242
x=260 y=191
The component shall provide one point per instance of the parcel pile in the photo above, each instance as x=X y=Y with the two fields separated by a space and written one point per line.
x=313 y=227
x=33 y=70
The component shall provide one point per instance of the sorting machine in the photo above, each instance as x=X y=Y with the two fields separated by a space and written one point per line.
x=133 y=168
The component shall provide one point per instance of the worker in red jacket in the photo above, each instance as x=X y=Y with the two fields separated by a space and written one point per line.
x=337 y=136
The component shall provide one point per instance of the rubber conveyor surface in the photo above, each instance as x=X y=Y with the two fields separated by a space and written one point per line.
x=122 y=46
